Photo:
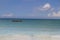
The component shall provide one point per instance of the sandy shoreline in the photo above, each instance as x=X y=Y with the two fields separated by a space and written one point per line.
x=29 y=37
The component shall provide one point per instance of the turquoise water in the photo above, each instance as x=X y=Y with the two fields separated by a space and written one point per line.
x=30 y=26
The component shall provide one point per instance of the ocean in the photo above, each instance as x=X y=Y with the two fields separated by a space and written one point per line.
x=30 y=29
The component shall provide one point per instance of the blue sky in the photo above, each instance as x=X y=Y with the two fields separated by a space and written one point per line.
x=30 y=9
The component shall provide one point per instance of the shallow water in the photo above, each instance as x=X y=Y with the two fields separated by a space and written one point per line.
x=35 y=26
x=30 y=27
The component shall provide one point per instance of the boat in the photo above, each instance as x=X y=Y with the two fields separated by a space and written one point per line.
x=16 y=20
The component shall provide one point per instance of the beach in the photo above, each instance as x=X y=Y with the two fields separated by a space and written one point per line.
x=29 y=37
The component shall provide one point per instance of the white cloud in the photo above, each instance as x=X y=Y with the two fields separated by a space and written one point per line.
x=47 y=6
x=54 y=14
x=7 y=15
x=37 y=11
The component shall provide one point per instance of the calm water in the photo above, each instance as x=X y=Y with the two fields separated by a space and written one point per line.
x=30 y=26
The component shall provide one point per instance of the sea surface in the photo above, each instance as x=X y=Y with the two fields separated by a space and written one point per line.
x=30 y=27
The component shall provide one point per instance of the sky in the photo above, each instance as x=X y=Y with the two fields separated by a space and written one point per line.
x=49 y=9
